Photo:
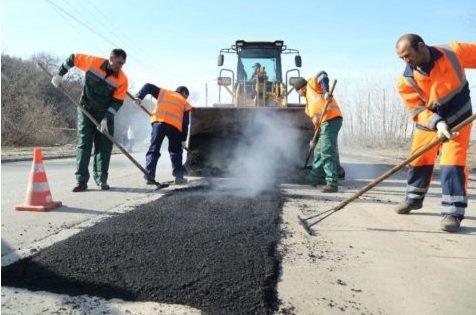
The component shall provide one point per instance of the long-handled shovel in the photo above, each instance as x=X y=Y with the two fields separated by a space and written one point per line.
x=105 y=133
x=318 y=127
x=375 y=182
x=133 y=98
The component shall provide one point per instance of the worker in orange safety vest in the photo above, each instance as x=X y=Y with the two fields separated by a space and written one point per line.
x=170 y=119
x=325 y=165
x=435 y=90
x=105 y=87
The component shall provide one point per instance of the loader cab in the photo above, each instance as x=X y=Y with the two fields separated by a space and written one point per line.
x=253 y=88
x=257 y=86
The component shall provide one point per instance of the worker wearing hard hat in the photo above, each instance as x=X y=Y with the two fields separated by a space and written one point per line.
x=326 y=157
x=435 y=90
x=170 y=119
x=103 y=94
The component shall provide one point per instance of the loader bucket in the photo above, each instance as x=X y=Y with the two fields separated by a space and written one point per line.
x=225 y=140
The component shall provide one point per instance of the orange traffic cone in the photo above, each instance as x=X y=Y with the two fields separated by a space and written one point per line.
x=38 y=196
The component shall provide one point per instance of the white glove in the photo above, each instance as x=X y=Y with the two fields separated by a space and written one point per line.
x=104 y=125
x=57 y=80
x=184 y=144
x=327 y=97
x=443 y=129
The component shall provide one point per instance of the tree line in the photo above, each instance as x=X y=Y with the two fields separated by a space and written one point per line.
x=374 y=114
x=35 y=113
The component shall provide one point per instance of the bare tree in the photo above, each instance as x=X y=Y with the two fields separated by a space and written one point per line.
x=373 y=114
x=33 y=111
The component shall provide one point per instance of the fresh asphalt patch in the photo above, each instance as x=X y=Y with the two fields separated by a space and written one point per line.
x=212 y=249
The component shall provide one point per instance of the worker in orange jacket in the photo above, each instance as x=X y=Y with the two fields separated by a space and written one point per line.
x=105 y=88
x=325 y=165
x=170 y=119
x=435 y=90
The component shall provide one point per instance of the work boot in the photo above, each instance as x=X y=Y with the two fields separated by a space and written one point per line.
x=329 y=189
x=150 y=182
x=180 y=180
x=405 y=208
x=104 y=186
x=80 y=186
x=340 y=172
x=450 y=224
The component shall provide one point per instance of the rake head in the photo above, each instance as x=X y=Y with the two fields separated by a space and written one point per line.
x=161 y=185
x=306 y=226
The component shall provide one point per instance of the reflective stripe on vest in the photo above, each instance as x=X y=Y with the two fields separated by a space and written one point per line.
x=170 y=108
x=440 y=106
x=315 y=102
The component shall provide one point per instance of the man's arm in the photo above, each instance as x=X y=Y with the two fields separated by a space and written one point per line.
x=66 y=65
x=466 y=53
x=323 y=81
x=416 y=105
x=80 y=61
x=148 y=88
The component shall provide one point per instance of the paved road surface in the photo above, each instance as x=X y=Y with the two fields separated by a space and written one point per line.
x=23 y=231
x=364 y=260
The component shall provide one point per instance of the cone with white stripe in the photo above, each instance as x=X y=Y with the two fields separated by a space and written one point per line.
x=38 y=196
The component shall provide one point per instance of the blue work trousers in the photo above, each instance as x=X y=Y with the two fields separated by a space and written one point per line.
x=160 y=130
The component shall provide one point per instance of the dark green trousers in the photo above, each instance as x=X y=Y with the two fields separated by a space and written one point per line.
x=326 y=155
x=87 y=135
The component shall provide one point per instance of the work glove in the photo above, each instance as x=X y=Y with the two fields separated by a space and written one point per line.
x=184 y=144
x=443 y=129
x=57 y=80
x=327 y=97
x=104 y=125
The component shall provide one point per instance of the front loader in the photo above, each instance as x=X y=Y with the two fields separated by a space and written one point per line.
x=257 y=94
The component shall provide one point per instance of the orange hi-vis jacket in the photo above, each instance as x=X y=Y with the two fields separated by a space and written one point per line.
x=101 y=92
x=431 y=98
x=170 y=108
x=315 y=102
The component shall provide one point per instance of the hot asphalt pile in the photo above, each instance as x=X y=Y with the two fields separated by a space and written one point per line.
x=210 y=249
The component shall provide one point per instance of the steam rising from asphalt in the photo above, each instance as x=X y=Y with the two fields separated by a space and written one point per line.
x=269 y=143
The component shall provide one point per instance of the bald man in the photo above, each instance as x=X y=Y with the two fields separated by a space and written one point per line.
x=434 y=89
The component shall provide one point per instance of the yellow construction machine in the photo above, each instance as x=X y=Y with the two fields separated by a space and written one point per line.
x=257 y=93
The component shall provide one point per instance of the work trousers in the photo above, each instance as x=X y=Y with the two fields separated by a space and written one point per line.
x=160 y=130
x=87 y=134
x=453 y=171
x=326 y=155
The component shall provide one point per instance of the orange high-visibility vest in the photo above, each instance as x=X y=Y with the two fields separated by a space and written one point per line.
x=315 y=102
x=170 y=108
x=96 y=67
x=432 y=98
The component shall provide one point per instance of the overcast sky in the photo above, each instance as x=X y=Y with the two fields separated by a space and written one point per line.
x=172 y=43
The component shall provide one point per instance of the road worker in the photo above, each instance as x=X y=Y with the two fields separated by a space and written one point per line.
x=324 y=168
x=434 y=89
x=103 y=94
x=259 y=79
x=256 y=71
x=170 y=119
